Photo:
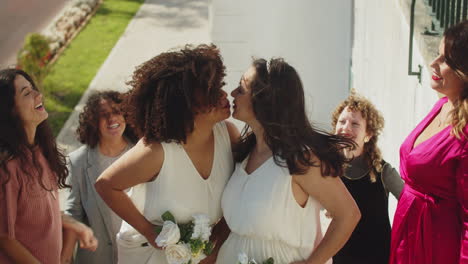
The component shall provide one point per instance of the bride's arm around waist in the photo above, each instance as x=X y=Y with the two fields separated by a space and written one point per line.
x=333 y=195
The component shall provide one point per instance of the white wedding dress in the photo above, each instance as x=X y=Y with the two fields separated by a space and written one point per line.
x=265 y=219
x=180 y=189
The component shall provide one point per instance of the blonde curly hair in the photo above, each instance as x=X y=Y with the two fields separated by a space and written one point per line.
x=374 y=127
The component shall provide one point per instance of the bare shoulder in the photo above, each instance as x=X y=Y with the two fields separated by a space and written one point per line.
x=144 y=156
x=312 y=172
x=143 y=161
x=150 y=147
x=234 y=133
x=327 y=190
x=147 y=150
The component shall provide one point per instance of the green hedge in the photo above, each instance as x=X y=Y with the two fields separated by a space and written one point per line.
x=71 y=75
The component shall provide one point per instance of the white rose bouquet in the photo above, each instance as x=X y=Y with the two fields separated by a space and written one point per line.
x=185 y=243
x=244 y=259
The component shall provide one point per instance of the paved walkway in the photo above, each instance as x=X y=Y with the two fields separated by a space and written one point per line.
x=158 y=26
x=20 y=17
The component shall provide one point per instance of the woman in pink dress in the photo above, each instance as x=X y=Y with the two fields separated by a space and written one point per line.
x=32 y=169
x=431 y=220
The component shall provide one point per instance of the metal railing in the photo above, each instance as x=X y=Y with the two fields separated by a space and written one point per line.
x=410 y=57
x=446 y=13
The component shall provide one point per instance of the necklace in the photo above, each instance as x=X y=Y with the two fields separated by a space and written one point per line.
x=53 y=194
x=445 y=113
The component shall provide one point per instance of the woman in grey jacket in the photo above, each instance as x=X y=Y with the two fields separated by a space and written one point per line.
x=103 y=131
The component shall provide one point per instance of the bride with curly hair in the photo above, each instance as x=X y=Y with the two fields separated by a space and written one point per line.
x=183 y=160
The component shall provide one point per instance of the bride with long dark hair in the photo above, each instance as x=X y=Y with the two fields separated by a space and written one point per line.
x=183 y=160
x=286 y=171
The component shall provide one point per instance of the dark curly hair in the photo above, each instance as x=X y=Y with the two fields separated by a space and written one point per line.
x=279 y=105
x=168 y=90
x=88 y=128
x=374 y=127
x=13 y=139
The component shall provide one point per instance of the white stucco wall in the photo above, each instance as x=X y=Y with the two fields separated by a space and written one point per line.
x=313 y=36
x=319 y=39
x=379 y=71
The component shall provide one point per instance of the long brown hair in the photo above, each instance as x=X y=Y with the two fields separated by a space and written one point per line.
x=13 y=139
x=456 y=56
x=279 y=105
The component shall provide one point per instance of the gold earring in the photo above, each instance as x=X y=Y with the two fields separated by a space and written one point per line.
x=366 y=139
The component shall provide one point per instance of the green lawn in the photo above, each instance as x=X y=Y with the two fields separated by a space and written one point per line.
x=74 y=70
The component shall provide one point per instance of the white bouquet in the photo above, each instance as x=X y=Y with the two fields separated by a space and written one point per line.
x=185 y=243
x=244 y=259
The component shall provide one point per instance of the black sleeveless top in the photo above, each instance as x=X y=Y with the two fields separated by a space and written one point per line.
x=370 y=240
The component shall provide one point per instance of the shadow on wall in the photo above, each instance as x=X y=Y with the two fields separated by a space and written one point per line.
x=177 y=14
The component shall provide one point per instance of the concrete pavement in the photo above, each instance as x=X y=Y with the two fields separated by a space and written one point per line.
x=158 y=26
x=20 y=17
